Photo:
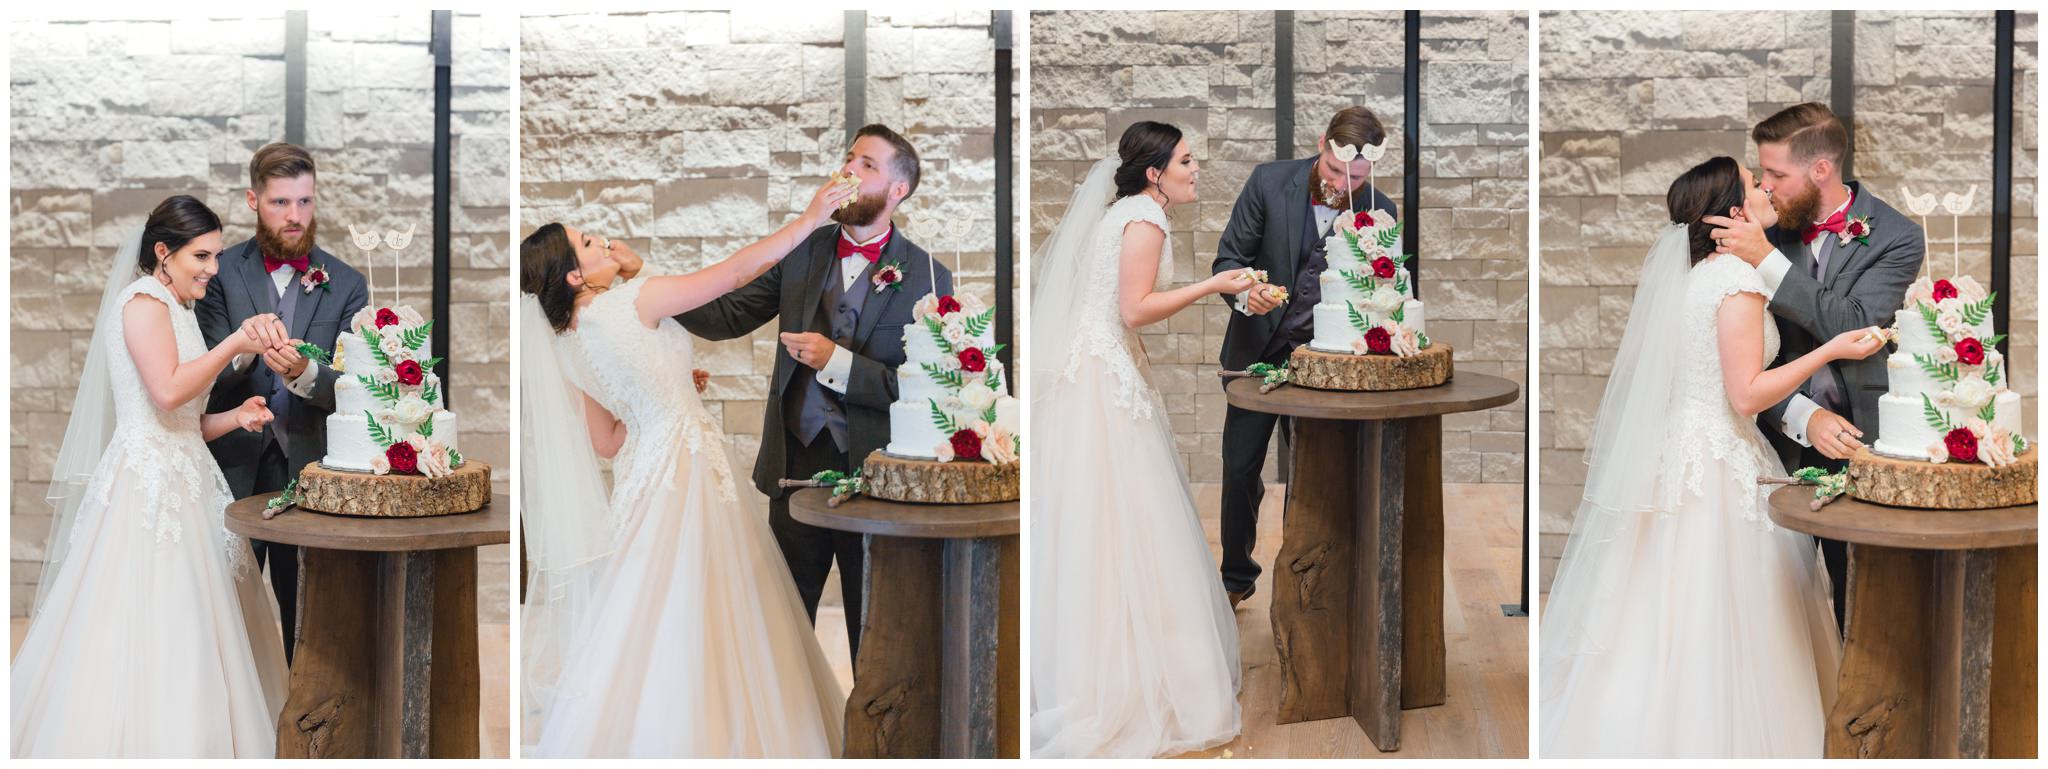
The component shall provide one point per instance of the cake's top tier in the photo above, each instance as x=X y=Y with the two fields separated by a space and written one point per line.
x=957 y=328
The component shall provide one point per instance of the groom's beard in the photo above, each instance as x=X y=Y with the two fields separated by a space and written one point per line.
x=274 y=244
x=863 y=212
x=1324 y=195
x=1798 y=212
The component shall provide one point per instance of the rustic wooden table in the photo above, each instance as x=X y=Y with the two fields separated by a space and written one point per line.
x=386 y=664
x=1939 y=659
x=937 y=673
x=1358 y=598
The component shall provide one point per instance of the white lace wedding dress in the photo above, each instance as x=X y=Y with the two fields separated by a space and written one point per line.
x=156 y=637
x=697 y=644
x=1133 y=645
x=1701 y=630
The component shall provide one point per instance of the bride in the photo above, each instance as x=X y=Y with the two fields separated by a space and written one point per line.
x=1133 y=646
x=153 y=635
x=1682 y=621
x=660 y=623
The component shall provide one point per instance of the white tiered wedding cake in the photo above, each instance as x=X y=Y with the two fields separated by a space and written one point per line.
x=952 y=399
x=1368 y=305
x=388 y=415
x=1948 y=399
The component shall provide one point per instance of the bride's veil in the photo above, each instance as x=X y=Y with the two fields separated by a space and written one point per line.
x=1057 y=289
x=92 y=415
x=1625 y=478
x=562 y=510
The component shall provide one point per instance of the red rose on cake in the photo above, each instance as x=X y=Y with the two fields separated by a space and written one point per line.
x=386 y=317
x=1970 y=352
x=1945 y=290
x=1378 y=341
x=948 y=305
x=403 y=458
x=1961 y=445
x=409 y=373
x=1362 y=220
x=1383 y=268
x=972 y=361
x=966 y=445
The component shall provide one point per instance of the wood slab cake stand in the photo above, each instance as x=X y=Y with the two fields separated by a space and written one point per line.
x=1938 y=659
x=1369 y=373
x=937 y=675
x=1358 y=615
x=386 y=661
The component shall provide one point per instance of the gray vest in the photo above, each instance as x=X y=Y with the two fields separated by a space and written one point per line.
x=280 y=398
x=1297 y=316
x=817 y=407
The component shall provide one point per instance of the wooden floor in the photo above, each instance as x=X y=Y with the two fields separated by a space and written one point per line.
x=1486 y=712
x=494 y=659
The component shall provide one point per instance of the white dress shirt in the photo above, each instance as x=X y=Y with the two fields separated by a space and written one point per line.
x=839 y=368
x=285 y=279
x=1772 y=270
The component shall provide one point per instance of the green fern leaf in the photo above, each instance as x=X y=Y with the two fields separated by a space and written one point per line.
x=976 y=325
x=430 y=363
x=1357 y=281
x=377 y=431
x=989 y=414
x=1933 y=320
x=1399 y=314
x=413 y=338
x=1991 y=375
x=951 y=379
x=1975 y=313
x=387 y=393
x=1990 y=410
x=314 y=353
x=1935 y=418
x=427 y=428
x=376 y=347
x=1391 y=235
x=1942 y=372
x=1357 y=320
x=942 y=420
x=994 y=379
x=429 y=394
x=938 y=332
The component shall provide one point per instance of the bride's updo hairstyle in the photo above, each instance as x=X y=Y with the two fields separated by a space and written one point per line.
x=1145 y=145
x=175 y=222
x=545 y=260
x=1708 y=189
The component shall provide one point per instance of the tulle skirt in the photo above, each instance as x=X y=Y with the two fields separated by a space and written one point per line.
x=1704 y=631
x=1133 y=646
x=698 y=645
x=147 y=643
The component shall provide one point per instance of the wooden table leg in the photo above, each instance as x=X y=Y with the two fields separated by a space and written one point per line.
x=456 y=680
x=1916 y=677
x=1377 y=593
x=2015 y=666
x=893 y=711
x=1423 y=674
x=1312 y=577
x=328 y=712
x=971 y=597
x=1010 y=742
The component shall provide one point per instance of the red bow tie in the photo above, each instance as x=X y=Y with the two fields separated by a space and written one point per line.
x=271 y=265
x=872 y=251
x=1834 y=224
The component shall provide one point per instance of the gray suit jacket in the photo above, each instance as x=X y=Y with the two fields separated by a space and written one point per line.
x=790 y=291
x=1864 y=286
x=242 y=290
x=1265 y=232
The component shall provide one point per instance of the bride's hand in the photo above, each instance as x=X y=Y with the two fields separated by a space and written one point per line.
x=1855 y=344
x=253 y=414
x=1231 y=282
x=260 y=333
x=622 y=255
x=825 y=201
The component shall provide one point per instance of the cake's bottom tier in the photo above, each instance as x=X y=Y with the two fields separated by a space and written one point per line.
x=1334 y=332
x=1902 y=429
x=933 y=482
x=336 y=492
x=912 y=433
x=350 y=447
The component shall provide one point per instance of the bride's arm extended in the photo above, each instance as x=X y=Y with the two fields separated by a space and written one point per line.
x=146 y=322
x=252 y=416
x=1139 y=265
x=677 y=294
x=607 y=433
x=1740 y=337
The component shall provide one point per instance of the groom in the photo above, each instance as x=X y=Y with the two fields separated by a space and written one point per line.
x=1823 y=285
x=842 y=337
x=277 y=272
x=1278 y=225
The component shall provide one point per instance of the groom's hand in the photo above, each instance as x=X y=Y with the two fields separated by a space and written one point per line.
x=1831 y=435
x=285 y=360
x=1743 y=238
x=809 y=348
x=1263 y=298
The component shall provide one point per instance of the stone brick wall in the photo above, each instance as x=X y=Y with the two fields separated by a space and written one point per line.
x=1094 y=73
x=691 y=134
x=109 y=117
x=1630 y=100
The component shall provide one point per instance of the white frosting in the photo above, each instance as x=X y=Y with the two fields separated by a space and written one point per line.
x=350 y=447
x=1333 y=329
x=1332 y=313
x=349 y=444
x=1902 y=429
x=1902 y=425
x=912 y=431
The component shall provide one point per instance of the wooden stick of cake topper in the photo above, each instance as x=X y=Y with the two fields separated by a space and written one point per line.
x=367 y=242
x=1921 y=206
x=397 y=242
x=1956 y=205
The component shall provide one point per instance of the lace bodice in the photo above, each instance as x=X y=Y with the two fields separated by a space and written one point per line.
x=1710 y=428
x=643 y=377
x=1102 y=339
x=133 y=410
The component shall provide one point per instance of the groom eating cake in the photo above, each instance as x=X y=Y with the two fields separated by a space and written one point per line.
x=279 y=271
x=1278 y=226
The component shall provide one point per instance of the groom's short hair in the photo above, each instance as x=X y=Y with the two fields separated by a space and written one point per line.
x=1809 y=131
x=278 y=160
x=905 y=166
x=1355 y=126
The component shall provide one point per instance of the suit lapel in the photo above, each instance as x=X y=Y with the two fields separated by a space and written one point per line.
x=1293 y=207
x=1860 y=205
x=875 y=305
x=820 y=270
x=262 y=292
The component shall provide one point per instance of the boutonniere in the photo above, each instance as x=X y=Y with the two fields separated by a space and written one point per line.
x=314 y=278
x=887 y=275
x=1856 y=229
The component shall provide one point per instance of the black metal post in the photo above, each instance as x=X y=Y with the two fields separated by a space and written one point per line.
x=295 y=77
x=2001 y=177
x=1006 y=201
x=1411 y=145
x=856 y=35
x=443 y=33
x=1842 y=80
x=1283 y=85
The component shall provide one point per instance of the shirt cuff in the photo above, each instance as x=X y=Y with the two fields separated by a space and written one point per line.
x=837 y=370
x=302 y=385
x=1772 y=269
x=1243 y=300
x=1797 y=413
